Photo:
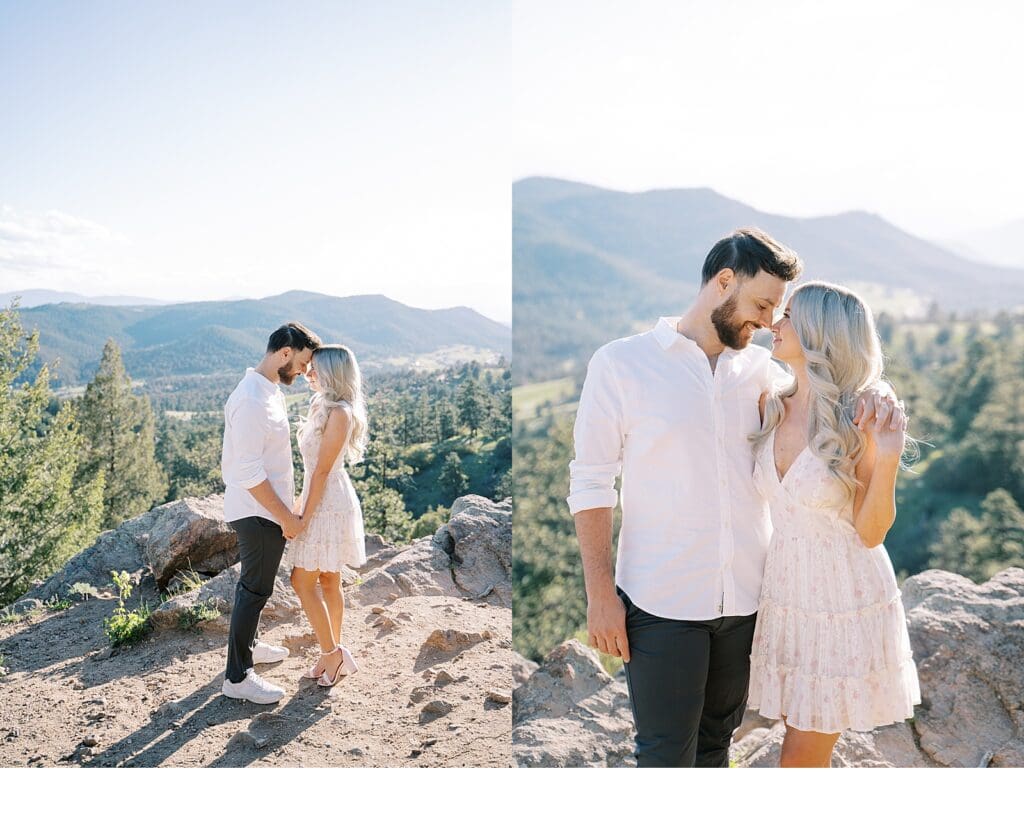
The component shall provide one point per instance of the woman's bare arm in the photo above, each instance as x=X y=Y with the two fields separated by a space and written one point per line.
x=874 y=506
x=335 y=431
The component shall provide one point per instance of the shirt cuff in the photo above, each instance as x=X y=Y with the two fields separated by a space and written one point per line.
x=255 y=480
x=592 y=499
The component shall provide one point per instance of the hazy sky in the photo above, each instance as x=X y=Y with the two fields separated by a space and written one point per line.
x=212 y=150
x=204 y=150
x=908 y=110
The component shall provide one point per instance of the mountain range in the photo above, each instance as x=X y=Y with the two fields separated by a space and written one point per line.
x=34 y=298
x=591 y=264
x=210 y=337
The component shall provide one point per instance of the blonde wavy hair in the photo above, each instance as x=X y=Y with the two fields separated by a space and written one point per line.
x=837 y=333
x=340 y=382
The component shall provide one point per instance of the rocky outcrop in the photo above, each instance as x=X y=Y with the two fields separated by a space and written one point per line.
x=968 y=643
x=571 y=713
x=478 y=541
x=470 y=556
x=188 y=534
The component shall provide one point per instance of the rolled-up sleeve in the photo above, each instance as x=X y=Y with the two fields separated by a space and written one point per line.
x=248 y=429
x=598 y=435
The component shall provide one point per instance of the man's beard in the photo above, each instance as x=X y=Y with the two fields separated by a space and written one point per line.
x=729 y=332
x=286 y=375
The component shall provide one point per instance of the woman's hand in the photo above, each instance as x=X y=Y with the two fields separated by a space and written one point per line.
x=889 y=428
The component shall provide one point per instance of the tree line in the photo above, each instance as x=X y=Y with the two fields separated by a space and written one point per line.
x=71 y=468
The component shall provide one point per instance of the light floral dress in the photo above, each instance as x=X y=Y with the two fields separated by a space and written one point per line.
x=334 y=537
x=831 y=650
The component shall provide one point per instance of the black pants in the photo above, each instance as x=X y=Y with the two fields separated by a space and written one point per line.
x=260 y=545
x=687 y=685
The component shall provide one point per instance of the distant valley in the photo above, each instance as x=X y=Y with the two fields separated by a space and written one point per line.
x=219 y=337
x=591 y=264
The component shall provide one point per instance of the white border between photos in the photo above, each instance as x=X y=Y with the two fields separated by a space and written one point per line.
x=495 y=793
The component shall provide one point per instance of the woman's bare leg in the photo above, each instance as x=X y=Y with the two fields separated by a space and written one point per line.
x=304 y=582
x=330 y=586
x=807 y=749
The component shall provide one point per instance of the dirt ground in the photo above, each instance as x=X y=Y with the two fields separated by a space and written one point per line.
x=420 y=698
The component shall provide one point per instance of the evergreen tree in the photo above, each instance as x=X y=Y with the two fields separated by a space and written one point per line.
x=445 y=421
x=452 y=479
x=118 y=428
x=384 y=513
x=472 y=408
x=45 y=516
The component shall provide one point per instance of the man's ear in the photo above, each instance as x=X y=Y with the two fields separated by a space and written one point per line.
x=724 y=278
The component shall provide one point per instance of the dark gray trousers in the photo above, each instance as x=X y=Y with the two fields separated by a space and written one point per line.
x=687 y=684
x=260 y=545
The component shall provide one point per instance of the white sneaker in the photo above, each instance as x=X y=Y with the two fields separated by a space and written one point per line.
x=253 y=688
x=263 y=653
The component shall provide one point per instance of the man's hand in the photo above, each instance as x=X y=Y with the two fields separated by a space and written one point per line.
x=873 y=401
x=606 y=624
x=292 y=526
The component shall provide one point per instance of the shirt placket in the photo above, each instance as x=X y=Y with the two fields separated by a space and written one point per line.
x=726 y=547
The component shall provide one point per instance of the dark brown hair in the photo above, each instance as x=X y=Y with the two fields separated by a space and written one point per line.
x=747 y=250
x=293 y=335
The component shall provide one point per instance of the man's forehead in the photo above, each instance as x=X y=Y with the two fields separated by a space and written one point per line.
x=766 y=286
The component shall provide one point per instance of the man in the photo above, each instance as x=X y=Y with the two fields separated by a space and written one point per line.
x=259 y=490
x=671 y=409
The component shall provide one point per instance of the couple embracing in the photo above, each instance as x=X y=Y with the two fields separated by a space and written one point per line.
x=323 y=528
x=750 y=566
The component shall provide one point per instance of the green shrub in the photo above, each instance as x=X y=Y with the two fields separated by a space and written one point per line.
x=57 y=603
x=83 y=590
x=191 y=617
x=124 y=627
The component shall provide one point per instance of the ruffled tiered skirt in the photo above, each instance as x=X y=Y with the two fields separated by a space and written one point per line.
x=334 y=537
x=831 y=650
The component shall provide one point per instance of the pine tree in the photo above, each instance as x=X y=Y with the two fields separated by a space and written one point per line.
x=472 y=408
x=452 y=479
x=118 y=428
x=384 y=512
x=46 y=517
x=445 y=421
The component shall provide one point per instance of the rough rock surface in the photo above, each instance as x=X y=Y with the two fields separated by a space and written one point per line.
x=188 y=534
x=478 y=540
x=968 y=642
x=430 y=691
x=470 y=556
x=571 y=713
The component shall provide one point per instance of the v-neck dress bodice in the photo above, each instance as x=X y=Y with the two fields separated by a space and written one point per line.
x=334 y=536
x=831 y=650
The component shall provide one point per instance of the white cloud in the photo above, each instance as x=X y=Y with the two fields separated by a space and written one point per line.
x=55 y=250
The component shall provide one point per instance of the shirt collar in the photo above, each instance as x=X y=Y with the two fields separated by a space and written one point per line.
x=667 y=335
x=265 y=384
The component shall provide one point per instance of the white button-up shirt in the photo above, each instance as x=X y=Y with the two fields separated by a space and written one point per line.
x=257 y=447
x=694 y=529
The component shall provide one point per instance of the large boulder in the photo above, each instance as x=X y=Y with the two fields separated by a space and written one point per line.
x=188 y=534
x=470 y=556
x=968 y=641
x=115 y=550
x=478 y=539
x=571 y=713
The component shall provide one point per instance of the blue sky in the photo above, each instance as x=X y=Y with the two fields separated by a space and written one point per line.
x=229 y=149
x=217 y=150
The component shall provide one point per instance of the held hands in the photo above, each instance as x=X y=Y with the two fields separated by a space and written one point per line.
x=606 y=625
x=292 y=526
x=889 y=427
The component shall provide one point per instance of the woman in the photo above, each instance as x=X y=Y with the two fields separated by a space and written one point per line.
x=334 y=430
x=830 y=650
